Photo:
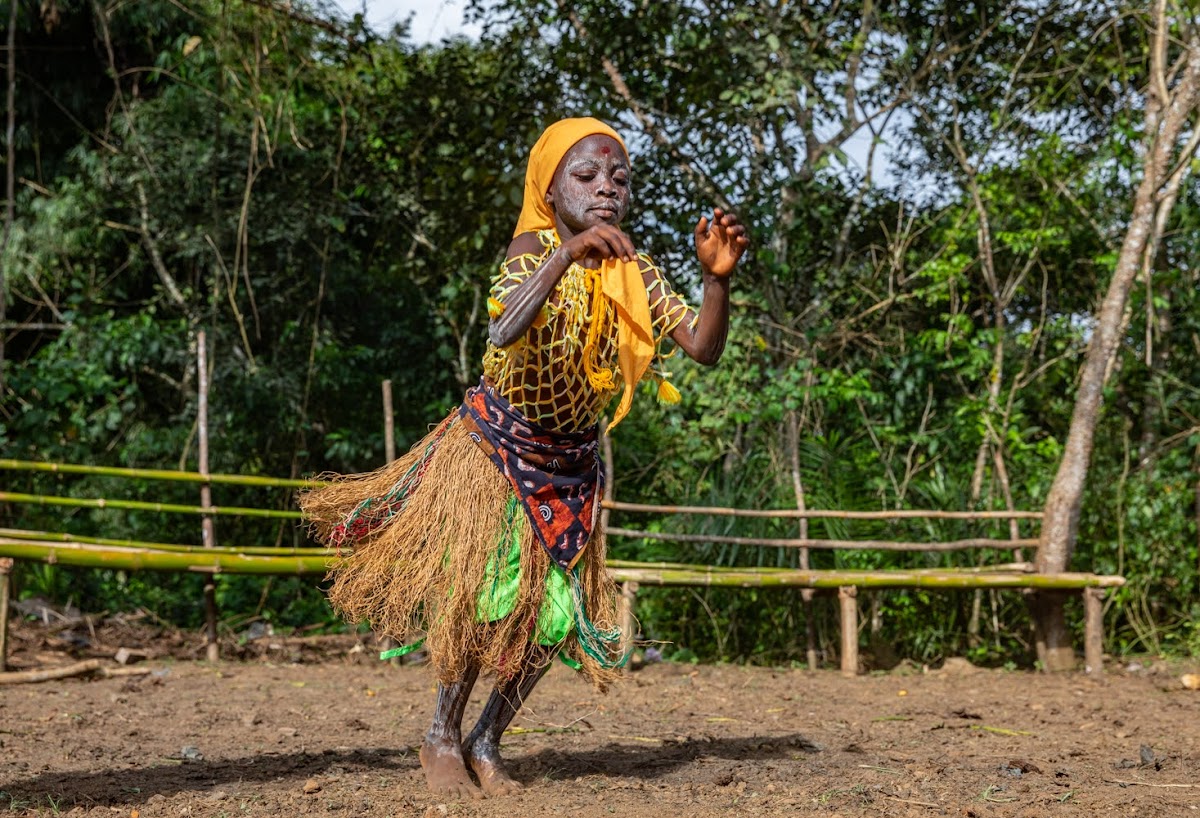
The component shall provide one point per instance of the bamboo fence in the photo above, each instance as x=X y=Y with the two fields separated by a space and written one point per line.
x=97 y=552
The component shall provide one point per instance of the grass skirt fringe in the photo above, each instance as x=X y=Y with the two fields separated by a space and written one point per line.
x=422 y=568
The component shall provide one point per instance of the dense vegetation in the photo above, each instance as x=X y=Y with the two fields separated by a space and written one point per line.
x=937 y=202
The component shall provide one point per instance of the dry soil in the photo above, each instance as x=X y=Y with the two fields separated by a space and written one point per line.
x=316 y=726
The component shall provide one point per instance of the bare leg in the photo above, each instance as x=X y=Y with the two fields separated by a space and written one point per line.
x=441 y=752
x=482 y=747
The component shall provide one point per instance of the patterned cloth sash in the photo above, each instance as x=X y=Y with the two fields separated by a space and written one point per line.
x=556 y=476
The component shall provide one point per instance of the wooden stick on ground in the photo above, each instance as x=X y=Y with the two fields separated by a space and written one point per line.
x=78 y=669
x=84 y=668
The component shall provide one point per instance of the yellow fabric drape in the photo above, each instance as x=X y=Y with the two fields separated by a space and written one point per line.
x=622 y=280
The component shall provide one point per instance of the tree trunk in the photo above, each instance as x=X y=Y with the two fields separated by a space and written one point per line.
x=10 y=173
x=1166 y=114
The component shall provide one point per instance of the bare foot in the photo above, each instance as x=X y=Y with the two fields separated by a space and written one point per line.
x=445 y=773
x=489 y=768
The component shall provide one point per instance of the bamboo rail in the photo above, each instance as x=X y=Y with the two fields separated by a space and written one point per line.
x=139 y=505
x=254 y=550
x=235 y=561
x=857 y=545
x=196 y=559
x=818 y=514
x=157 y=474
x=968 y=570
x=752 y=578
x=44 y=546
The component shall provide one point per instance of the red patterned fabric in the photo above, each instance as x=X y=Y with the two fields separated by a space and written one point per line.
x=371 y=513
x=557 y=477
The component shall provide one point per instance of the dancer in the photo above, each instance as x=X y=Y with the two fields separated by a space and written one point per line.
x=483 y=536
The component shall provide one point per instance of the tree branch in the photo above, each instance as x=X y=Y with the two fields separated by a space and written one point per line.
x=152 y=250
x=10 y=187
x=647 y=122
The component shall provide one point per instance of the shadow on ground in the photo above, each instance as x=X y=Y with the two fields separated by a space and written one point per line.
x=131 y=786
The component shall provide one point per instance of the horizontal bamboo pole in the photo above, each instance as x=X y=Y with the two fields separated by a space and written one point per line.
x=157 y=474
x=264 y=550
x=816 y=514
x=202 y=560
x=1026 y=567
x=865 y=579
x=138 y=505
x=856 y=545
x=232 y=561
x=50 y=538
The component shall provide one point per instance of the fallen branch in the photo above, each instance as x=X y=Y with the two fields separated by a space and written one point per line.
x=84 y=668
x=1147 y=784
x=1000 y=731
x=25 y=676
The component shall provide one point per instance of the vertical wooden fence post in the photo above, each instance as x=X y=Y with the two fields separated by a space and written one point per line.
x=848 y=597
x=1093 y=630
x=628 y=616
x=207 y=532
x=386 y=643
x=6 y=565
x=1196 y=470
x=806 y=594
x=389 y=423
x=628 y=604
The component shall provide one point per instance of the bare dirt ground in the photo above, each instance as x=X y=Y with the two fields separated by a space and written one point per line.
x=316 y=726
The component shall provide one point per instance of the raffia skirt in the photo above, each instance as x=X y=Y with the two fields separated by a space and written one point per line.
x=421 y=569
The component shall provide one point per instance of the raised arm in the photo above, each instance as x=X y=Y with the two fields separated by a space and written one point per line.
x=719 y=245
x=523 y=304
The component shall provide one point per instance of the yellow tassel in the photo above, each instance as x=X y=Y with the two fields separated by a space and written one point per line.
x=495 y=308
x=601 y=378
x=667 y=393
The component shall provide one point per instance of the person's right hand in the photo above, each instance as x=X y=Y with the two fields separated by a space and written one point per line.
x=600 y=243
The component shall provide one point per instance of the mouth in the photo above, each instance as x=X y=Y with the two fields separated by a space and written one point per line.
x=605 y=210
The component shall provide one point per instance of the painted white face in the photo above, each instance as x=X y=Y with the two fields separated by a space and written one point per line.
x=591 y=186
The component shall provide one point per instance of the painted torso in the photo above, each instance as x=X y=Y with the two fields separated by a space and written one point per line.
x=543 y=373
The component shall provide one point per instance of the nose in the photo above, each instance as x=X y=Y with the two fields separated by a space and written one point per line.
x=607 y=186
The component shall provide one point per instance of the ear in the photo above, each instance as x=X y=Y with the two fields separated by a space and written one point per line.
x=549 y=197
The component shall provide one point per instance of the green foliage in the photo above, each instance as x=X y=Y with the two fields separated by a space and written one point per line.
x=328 y=206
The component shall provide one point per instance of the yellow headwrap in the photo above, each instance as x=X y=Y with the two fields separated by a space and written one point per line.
x=622 y=280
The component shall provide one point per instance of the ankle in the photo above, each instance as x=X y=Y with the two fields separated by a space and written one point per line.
x=441 y=738
x=482 y=746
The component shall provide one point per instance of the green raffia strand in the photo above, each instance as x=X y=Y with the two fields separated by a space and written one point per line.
x=502 y=577
x=596 y=643
x=403 y=650
x=569 y=662
x=508 y=540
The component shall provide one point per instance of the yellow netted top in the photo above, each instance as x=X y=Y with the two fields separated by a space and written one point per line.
x=556 y=373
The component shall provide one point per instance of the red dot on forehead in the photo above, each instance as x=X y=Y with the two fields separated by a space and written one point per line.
x=604 y=149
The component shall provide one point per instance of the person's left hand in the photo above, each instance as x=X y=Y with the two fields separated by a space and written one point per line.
x=720 y=244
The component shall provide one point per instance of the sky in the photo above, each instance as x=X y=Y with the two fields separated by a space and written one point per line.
x=432 y=20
